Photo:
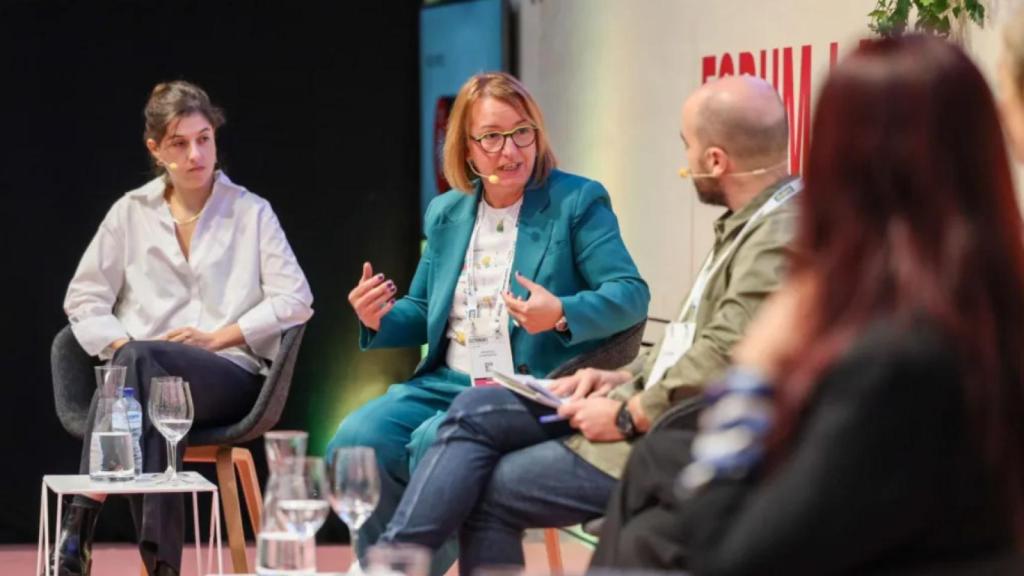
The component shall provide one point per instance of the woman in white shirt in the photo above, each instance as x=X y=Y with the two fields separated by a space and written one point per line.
x=191 y=276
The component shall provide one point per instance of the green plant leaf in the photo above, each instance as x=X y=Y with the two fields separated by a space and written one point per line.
x=892 y=17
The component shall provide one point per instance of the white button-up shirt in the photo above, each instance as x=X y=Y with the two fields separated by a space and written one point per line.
x=134 y=281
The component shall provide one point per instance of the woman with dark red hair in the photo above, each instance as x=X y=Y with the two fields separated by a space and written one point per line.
x=875 y=419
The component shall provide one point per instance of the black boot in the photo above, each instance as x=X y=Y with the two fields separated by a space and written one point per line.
x=165 y=570
x=74 y=546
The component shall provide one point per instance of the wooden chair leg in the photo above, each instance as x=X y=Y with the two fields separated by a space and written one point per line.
x=554 y=552
x=242 y=458
x=232 y=509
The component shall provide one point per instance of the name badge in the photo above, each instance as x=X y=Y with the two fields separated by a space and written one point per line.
x=677 y=340
x=489 y=354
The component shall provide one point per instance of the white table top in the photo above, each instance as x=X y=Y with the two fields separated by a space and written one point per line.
x=146 y=483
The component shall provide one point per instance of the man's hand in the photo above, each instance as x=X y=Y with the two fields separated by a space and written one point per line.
x=594 y=417
x=589 y=382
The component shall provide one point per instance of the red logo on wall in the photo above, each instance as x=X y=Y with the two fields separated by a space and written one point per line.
x=781 y=60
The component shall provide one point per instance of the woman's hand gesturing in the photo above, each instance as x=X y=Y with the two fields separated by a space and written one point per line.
x=372 y=298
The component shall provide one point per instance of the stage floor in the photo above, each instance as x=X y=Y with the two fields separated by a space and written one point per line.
x=123 y=560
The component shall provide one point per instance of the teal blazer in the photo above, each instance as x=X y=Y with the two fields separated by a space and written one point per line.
x=568 y=242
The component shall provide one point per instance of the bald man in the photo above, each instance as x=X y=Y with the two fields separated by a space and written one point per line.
x=500 y=465
x=735 y=135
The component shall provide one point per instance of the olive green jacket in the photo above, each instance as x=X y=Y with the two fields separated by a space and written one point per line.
x=753 y=270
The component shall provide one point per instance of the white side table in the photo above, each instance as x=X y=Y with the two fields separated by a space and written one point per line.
x=73 y=484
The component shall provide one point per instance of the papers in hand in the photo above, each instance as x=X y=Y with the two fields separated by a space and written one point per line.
x=530 y=387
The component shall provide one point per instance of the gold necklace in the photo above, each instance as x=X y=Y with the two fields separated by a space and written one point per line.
x=188 y=221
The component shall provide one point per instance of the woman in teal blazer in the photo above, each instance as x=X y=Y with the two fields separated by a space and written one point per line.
x=571 y=282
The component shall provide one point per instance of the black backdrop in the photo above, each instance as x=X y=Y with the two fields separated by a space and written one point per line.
x=322 y=121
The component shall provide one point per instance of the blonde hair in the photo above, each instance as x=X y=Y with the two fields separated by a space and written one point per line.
x=507 y=89
x=1013 y=43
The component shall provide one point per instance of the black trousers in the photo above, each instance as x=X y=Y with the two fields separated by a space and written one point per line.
x=222 y=393
x=643 y=526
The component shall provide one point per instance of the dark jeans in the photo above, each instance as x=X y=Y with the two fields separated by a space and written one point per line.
x=493 y=472
x=222 y=393
x=643 y=527
x=400 y=426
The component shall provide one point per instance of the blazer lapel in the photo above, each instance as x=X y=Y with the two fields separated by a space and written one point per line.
x=534 y=236
x=449 y=241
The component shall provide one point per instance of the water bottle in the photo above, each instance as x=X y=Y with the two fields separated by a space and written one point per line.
x=133 y=410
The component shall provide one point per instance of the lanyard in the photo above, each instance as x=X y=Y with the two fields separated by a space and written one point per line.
x=712 y=264
x=472 y=292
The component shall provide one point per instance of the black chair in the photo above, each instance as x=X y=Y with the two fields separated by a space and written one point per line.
x=73 y=388
x=614 y=352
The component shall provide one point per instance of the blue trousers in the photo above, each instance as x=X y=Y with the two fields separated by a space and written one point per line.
x=400 y=426
x=495 y=471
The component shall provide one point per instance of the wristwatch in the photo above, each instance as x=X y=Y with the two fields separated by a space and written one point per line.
x=624 y=422
x=562 y=325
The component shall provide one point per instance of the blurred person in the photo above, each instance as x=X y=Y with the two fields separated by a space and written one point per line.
x=873 y=420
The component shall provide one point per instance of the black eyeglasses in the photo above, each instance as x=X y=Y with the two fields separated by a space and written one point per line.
x=495 y=141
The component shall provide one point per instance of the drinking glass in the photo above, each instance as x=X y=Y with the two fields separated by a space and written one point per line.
x=302 y=499
x=354 y=491
x=171 y=412
x=279 y=551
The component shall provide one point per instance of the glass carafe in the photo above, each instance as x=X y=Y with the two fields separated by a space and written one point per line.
x=111 y=457
x=279 y=551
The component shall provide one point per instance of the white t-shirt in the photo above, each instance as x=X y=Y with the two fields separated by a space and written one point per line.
x=490 y=254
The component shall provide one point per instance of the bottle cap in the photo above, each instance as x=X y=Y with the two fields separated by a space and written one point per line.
x=129 y=392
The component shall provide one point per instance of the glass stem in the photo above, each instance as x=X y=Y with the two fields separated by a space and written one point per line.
x=172 y=458
x=354 y=539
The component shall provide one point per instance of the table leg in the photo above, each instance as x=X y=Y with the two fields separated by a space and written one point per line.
x=56 y=540
x=220 y=549
x=195 y=522
x=42 y=521
x=209 y=544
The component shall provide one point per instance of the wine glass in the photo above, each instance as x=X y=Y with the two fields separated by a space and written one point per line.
x=302 y=498
x=354 y=492
x=171 y=412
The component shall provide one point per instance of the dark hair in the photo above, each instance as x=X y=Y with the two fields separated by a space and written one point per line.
x=909 y=208
x=172 y=100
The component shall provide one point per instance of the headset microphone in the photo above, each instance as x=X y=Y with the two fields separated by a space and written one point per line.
x=169 y=165
x=686 y=173
x=493 y=178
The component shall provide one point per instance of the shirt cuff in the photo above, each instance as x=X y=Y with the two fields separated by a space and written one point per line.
x=261 y=330
x=654 y=401
x=96 y=333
